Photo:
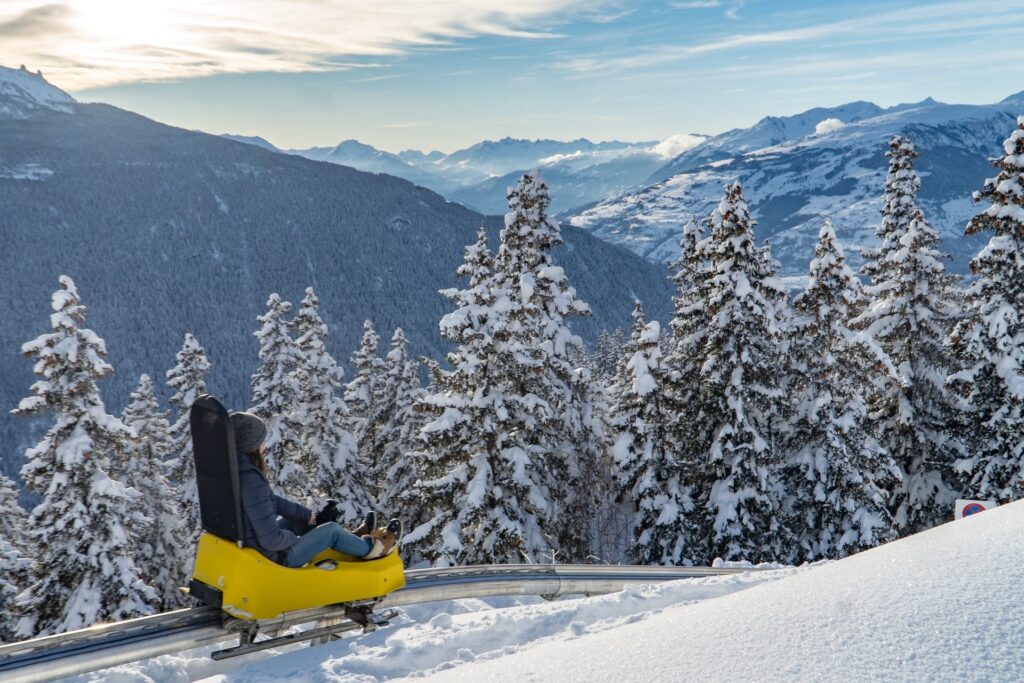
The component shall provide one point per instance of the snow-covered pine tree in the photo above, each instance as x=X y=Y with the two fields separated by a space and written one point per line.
x=160 y=557
x=392 y=434
x=741 y=397
x=82 y=532
x=187 y=379
x=362 y=392
x=274 y=386
x=615 y=515
x=898 y=206
x=989 y=342
x=433 y=368
x=908 y=320
x=480 y=485
x=564 y=436
x=14 y=565
x=12 y=516
x=839 y=477
x=15 y=573
x=611 y=518
x=585 y=453
x=688 y=431
x=325 y=462
x=608 y=351
x=648 y=473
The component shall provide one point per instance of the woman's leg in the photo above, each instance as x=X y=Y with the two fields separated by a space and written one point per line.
x=328 y=535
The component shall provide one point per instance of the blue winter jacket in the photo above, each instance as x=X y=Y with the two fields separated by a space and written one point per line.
x=260 y=509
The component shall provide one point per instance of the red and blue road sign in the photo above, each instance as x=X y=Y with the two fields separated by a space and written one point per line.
x=972 y=508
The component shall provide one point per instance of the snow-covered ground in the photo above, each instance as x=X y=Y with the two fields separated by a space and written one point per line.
x=438 y=636
x=941 y=605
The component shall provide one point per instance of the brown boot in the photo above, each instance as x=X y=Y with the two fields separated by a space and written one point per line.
x=385 y=540
x=368 y=525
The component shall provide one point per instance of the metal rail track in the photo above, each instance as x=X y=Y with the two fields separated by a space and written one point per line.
x=106 y=645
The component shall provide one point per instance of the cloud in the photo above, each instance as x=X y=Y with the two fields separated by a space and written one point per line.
x=608 y=17
x=731 y=12
x=673 y=146
x=935 y=20
x=106 y=42
x=827 y=126
x=374 y=79
x=555 y=158
x=734 y=11
x=36 y=21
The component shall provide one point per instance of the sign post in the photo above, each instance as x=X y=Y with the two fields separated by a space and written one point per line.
x=966 y=508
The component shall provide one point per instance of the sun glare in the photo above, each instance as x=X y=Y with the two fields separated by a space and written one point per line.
x=128 y=22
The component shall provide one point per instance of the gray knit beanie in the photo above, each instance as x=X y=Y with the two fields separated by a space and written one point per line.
x=249 y=431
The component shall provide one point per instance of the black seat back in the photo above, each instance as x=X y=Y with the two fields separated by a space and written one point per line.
x=213 y=444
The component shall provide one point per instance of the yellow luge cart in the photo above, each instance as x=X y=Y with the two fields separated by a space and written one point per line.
x=242 y=582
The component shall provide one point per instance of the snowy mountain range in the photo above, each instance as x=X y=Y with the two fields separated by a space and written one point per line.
x=795 y=169
x=824 y=162
x=372 y=160
x=579 y=172
x=167 y=231
x=769 y=131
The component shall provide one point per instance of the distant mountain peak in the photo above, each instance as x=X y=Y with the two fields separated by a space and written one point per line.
x=22 y=93
x=354 y=145
x=417 y=155
x=1013 y=99
x=926 y=102
x=255 y=140
x=847 y=113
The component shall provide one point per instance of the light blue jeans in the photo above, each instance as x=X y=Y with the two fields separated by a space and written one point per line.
x=327 y=535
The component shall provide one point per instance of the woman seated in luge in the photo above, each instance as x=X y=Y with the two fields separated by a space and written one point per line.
x=286 y=532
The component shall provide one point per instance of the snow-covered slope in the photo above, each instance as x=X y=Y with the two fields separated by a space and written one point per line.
x=769 y=131
x=943 y=605
x=438 y=636
x=23 y=92
x=838 y=172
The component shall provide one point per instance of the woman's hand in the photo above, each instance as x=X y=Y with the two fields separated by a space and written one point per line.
x=330 y=513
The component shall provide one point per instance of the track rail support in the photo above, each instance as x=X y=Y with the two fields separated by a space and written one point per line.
x=356 y=617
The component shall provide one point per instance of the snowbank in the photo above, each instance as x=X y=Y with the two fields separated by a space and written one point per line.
x=441 y=636
x=941 y=605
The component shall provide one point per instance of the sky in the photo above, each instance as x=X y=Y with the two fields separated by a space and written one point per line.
x=444 y=74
